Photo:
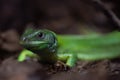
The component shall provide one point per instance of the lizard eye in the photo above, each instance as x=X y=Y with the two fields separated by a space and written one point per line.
x=40 y=35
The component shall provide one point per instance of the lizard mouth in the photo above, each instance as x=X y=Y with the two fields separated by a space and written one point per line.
x=35 y=45
x=32 y=43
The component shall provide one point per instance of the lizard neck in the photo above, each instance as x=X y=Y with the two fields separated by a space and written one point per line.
x=46 y=56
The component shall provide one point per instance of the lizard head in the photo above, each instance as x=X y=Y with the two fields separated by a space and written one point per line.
x=39 y=39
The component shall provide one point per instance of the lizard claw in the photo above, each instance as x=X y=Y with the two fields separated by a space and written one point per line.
x=60 y=66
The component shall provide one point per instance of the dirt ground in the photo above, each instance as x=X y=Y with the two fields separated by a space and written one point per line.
x=11 y=69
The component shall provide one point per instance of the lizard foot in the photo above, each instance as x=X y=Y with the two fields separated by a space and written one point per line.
x=61 y=66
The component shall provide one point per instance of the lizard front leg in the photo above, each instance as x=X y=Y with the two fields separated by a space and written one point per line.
x=26 y=53
x=70 y=59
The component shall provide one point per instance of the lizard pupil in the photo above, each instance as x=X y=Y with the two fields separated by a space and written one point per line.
x=24 y=39
x=40 y=35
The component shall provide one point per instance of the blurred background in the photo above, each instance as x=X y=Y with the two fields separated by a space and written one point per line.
x=61 y=16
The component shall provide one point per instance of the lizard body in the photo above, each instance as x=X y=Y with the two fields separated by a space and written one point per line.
x=69 y=48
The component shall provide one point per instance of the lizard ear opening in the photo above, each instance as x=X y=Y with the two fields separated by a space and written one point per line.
x=53 y=47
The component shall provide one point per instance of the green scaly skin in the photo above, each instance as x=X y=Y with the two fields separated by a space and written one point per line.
x=46 y=46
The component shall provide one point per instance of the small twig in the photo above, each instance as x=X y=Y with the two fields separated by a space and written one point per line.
x=108 y=12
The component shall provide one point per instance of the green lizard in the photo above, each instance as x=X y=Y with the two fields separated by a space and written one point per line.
x=49 y=47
